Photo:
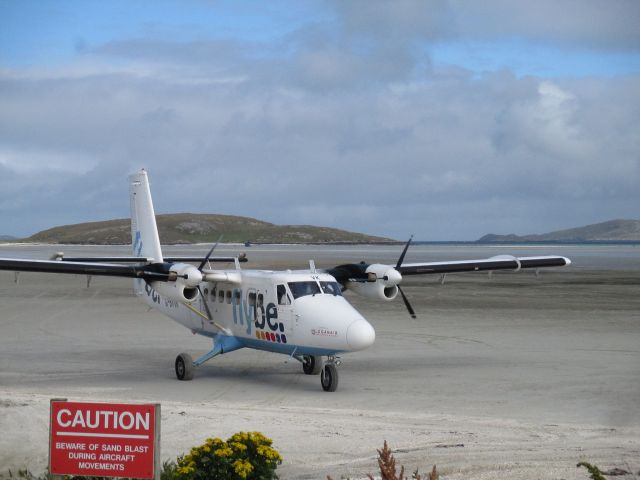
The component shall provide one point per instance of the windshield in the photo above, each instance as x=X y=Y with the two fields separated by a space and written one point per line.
x=300 y=289
x=331 y=288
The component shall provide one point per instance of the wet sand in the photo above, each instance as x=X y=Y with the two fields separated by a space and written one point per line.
x=511 y=376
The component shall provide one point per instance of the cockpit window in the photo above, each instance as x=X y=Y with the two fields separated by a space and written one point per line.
x=331 y=288
x=300 y=289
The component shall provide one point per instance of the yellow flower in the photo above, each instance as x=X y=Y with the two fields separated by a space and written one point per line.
x=269 y=453
x=242 y=468
x=186 y=470
x=223 y=452
x=240 y=447
x=239 y=437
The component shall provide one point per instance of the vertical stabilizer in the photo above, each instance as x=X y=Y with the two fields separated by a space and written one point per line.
x=144 y=231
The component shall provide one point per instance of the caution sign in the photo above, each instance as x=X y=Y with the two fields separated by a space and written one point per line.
x=104 y=439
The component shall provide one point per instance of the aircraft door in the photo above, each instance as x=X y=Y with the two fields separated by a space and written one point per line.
x=284 y=308
x=261 y=314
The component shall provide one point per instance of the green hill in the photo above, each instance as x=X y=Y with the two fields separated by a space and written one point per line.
x=613 y=230
x=201 y=228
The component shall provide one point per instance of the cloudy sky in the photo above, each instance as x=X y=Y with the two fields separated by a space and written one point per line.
x=447 y=119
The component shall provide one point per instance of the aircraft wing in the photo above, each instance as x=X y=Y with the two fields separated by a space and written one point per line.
x=147 y=272
x=198 y=259
x=500 y=262
x=362 y=272
x=381 y=281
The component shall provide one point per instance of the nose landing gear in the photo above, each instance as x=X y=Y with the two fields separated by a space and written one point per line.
x=314 y=364
x=329 y=377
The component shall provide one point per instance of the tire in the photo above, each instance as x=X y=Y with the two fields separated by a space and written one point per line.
x=311 y=364
x=184 y=367
x=329 y=378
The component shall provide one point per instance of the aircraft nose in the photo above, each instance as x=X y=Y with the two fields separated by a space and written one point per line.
x=360 y=335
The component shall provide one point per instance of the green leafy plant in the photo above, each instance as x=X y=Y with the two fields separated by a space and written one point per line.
x=595 y=472
x=169 y=470
x=244 y=456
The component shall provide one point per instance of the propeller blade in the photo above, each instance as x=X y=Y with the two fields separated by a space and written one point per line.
x=210 y=252
x=406 y=303
x=404 y=252
x=204 y=301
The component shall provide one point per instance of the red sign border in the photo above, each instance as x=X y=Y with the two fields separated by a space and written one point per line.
x=156 y=436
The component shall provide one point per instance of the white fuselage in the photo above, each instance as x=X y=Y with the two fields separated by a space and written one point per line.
x=290 y=312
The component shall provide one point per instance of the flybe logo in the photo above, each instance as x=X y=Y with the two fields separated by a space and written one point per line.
x=264 y=319
x=137 y=244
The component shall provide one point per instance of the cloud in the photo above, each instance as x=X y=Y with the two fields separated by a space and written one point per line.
x=590 y=24
x=345 y=123
x=291 y=155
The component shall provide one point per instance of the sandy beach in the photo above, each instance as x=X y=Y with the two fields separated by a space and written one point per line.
x=512 y=376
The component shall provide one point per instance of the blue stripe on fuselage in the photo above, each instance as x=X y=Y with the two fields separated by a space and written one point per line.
x=286 y=349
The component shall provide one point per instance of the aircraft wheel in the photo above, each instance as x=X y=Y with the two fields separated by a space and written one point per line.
x=184 y=367
x=329 y=378
x=311 y=364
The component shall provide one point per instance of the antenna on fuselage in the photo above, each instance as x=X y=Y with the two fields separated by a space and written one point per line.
x=312 y=266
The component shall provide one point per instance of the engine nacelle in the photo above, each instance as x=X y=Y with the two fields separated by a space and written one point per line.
x=182 y=284
x=176 y=291
x=377 y=290
x=186 y=274
x=385 y=274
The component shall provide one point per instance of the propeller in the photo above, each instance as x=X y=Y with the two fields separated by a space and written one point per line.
x=365 y=273
x=406 y=302
x=398 y=265
x=202 y=264
x=206 y=259
x=404 y=252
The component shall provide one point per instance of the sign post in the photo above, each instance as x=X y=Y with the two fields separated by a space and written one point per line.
x=104 y=439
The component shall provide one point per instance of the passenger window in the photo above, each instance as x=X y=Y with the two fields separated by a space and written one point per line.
x=221 y=296
x=229 y=296
x=251 y=298
x=260 y=300
x=236 y=297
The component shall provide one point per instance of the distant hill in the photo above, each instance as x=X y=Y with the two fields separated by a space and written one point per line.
x=201 y=228
x=613 y=230
x=7 y=238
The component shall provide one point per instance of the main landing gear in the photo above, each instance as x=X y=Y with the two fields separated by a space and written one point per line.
x=184 y=367
x=314 y=365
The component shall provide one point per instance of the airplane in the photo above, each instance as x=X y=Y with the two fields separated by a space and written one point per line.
x=302 y=313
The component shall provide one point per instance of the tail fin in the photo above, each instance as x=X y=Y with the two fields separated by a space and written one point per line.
x=144 y=231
